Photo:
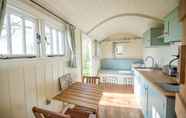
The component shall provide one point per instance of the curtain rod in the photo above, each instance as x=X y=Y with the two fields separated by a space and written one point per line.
x=36 y=3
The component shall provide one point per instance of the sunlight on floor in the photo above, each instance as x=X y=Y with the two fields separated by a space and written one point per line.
x=119 y=100
x=119 y=105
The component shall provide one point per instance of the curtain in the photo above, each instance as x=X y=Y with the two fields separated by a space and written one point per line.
x=2 y=12
x=72 y=46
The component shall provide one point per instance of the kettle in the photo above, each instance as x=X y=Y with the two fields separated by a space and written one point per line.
x=169 y=69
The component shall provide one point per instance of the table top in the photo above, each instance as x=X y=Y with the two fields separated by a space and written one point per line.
x=80 y=94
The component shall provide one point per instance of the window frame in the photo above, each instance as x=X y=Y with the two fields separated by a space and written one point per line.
x=39 y=19
x=63 y=38
x=24 y=17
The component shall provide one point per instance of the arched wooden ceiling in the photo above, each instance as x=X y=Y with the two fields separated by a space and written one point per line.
x=100 y=18
x=125 y=15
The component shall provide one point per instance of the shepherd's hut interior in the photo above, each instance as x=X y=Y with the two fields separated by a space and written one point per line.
x=92 y=58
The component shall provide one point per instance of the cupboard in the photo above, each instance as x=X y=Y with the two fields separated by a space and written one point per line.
x=152 y=37
x=153 y=103
x=172 y=27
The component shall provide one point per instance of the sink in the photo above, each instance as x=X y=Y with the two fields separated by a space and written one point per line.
x=147 y=68
x=169 y=87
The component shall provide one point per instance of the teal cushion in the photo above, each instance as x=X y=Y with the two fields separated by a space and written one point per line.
x=119 y=64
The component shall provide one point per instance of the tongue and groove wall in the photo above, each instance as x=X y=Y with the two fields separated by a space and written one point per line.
x=25 y=83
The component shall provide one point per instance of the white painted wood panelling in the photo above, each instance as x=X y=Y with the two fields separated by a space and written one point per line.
x=41 y=83
x=17 y=90
x=30 y=87
x=4 y=92
x=26 y=83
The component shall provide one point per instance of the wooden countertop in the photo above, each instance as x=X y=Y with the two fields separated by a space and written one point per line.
x=157 y=77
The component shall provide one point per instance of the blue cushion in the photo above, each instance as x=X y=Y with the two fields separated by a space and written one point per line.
x=119 y=64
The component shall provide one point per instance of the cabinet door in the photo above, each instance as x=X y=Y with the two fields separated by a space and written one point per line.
x=176 y=28
x=155 y=39
x=172 y=27
x=147 y=38
x=182 y=10
x=166 y=29
x=144 y=97
x=136 y=86
x=156 y=104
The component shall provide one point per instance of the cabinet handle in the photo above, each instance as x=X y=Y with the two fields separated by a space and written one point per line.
x=145 y=91
x=168 y=28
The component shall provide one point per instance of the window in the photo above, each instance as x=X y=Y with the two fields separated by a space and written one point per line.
x=3 y=39
x=54 y=41
x=18 y=38
x=120 y=48
x=18 y=35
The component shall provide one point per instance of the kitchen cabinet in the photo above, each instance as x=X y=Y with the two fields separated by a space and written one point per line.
x=152 y=37
x=153 y=103
x=141 y=92
x=172 y=27
x=156 y=106
x=182 y=11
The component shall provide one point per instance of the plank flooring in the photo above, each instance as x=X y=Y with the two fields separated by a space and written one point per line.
x=108 y=100
x=119 y=101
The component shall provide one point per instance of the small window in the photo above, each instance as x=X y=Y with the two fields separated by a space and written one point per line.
x=30 y=37
x=61 y=36
x=48 y=38
x=3 y=39
x=54 y=41
x=18 y=35
x=120 y=48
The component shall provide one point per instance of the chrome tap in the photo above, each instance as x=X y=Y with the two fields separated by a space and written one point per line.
x=153 y=60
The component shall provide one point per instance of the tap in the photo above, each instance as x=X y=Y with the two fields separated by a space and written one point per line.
x=153 y=60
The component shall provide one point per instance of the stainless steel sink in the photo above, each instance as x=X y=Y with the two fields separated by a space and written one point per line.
x=169 y=87
x=148 y=68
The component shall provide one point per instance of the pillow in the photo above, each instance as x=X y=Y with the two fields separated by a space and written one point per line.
x=63 y=82
x=69 y=79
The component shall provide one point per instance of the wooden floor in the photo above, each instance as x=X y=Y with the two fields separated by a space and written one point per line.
x=108 y=100
x=119 y=102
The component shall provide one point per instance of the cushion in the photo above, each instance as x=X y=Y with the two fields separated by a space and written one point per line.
x=63 y=82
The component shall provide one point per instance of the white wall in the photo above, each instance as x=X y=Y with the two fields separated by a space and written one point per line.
x=161 y=54
x=28 y=82
x=134 y=49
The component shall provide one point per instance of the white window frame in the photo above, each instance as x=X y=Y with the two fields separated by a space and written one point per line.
x=40 y=19
x=24 y=16
x=57 y=29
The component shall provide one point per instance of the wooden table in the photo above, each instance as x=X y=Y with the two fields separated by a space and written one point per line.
x=85 y=95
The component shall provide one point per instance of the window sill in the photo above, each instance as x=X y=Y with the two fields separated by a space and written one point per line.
x=55 y=55
x=16 y=56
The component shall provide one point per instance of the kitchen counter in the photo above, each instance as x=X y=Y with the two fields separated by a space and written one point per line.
x=156 y=78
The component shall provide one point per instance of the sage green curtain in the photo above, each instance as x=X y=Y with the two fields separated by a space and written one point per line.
x=2 y=12
x=72 y=46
